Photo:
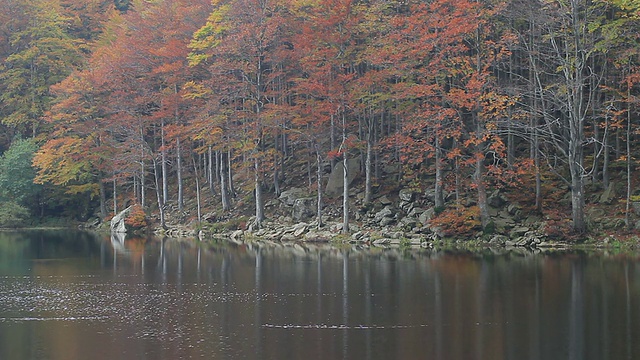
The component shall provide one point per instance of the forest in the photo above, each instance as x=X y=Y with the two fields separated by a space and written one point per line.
x=105 y=104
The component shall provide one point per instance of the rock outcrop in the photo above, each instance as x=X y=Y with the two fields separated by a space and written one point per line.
x=117 y=222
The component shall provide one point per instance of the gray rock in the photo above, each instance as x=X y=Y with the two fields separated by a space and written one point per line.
x=299 y=229
x=387 y=221
x=288 y=197
x=426 y=216
x=386 y=212
x=518 y=232
x=117 y=222
x=304 y=208
x=382 y=242
x=316 y=235
x=335 y=185
x=237 y=235
x=609 y=194
x=384 y=200
x=406 y=195
x=288 y=237
x=415 y=212
x=498 y=240
x=408 y=223
x=496 y=199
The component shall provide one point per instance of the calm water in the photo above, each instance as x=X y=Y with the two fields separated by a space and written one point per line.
x=67 y=295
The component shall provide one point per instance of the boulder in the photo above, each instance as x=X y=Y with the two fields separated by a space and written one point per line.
x=237 y=235
x=518 y=232
x=415 y=212
x=117 y=222
x=426 y=216
x=304 y=208
x=386 y=212
x=316 y=235
x=406 y=195
x=496 y=199
x=499 y=240
x=609 y=194
x=289 y=197
x=335 y=185
x=384 y=200
x=299 y=229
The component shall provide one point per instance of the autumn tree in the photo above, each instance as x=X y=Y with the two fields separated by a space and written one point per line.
x=566 y=83
x=44 y=55
x=241 y=44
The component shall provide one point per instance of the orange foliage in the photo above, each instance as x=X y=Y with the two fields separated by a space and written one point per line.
x=458 y=221
x=137 y=218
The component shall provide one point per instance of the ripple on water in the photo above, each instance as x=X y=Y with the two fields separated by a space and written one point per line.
x=154 y=311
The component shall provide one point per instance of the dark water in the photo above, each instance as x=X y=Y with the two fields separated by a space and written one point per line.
x=67 y=295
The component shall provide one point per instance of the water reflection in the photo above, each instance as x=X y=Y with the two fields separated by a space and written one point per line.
x=75 y=296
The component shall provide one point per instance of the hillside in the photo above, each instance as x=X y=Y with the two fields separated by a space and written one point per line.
x=405 y=214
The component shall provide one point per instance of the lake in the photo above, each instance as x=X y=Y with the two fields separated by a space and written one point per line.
x=73 y=295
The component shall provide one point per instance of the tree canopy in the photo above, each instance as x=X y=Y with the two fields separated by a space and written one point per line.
x=129 y=98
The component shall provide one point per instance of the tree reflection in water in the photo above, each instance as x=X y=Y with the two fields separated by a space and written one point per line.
x=167 y=299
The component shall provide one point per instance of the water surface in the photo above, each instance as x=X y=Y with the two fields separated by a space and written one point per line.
x=71 y=295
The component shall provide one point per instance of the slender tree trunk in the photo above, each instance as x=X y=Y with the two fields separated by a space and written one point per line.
x=345 y=178
x=224 y=193
x=115 y=197
x=332 y=138
x=577 y=195
x=103 y=200
x=258 y=194
x=536 y=160
x=195 y=170
x=605 y=161
x=179 y=170
x=229 y=175
x=439 y=193
x=482 y=192
x=368 y=165
x=210 y=171
x=627 y=212
x=165 y=181
x=319 y=184
x=142 y=186
x=345 y=194
x=156 y=178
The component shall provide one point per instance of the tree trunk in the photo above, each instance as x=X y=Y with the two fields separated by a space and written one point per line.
x=319 y=184
x=195 y=170
x=345 y=194
x=577 y=198
x=345 y=177
x=156 y=177
x=165 y=181
x=103 y=200
x=482 y=192
x=627 y=213
x=210 y=172
x=439 y=193
x=258 y=194
x=142 y=186
x=224 y=194
x=368 y=165
x=179 y=170
x=115 y=197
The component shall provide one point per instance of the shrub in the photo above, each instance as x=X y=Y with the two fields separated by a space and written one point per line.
x=136 y=219
x=12 y=214
x=458 y=221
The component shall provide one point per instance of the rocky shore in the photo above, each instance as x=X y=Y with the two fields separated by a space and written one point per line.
x=402 y=219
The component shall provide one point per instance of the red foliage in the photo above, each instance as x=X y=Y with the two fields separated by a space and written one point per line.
x=136 y=219
x=458 y=221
